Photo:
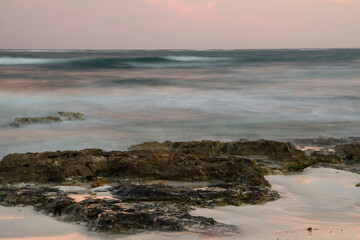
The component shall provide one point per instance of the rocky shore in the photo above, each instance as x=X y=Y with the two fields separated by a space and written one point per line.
x=136 y=197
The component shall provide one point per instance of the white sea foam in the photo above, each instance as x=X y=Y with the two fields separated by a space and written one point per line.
x=40 y=50
x=195 y=58
x=28 y=61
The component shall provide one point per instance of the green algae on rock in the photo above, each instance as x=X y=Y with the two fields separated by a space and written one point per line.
x=71 y=116
x=186 y=161
x=58 y=166
x=32 y=120
x=272 y=149
x=235 y=169
x=270 y=156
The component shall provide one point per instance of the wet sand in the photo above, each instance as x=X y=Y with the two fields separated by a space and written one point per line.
x=24 y=223
x=324 y=199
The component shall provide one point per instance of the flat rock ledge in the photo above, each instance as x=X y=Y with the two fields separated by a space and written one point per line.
x=136 y=206
x=234 y=172
x=109 y=215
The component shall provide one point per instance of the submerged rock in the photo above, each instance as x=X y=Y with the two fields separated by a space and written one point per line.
x=32 y=120
x=62 y=116
x=71 y=116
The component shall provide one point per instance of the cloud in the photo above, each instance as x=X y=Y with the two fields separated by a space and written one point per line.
x=211 y=4
x=203 y=10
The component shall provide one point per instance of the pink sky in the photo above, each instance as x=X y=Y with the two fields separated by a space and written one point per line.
x=179 y=24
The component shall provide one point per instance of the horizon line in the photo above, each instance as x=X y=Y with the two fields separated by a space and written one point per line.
x=174 y=49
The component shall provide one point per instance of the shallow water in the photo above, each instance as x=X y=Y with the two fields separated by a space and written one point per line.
x=324 y=199
x=129 y=97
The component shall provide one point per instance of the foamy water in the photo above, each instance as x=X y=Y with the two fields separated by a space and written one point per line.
x=129 y=97
x=324 y=199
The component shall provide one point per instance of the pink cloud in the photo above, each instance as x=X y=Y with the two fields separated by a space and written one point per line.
x=211 y=4
x=194 y=11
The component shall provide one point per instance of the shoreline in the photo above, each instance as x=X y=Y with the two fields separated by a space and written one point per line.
x=324 y=199
x=153 y=188
x=317 y=198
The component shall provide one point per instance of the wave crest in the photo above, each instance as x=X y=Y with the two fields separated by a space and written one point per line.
x=28 y=61
x=195 y=59
x=113 y=62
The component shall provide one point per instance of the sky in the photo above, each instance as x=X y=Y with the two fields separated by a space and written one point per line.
x=179 y=24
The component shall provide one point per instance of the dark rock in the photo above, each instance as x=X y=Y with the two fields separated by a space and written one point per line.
x=58 y=205
x=270 y=155
x=51 y=166
x=57 y=166
x=71 y=116
x=108 y=215
x=235 y=193
x=32 y=120
x=350 y=152
x=238 y=168
x=321 y=141
x=187 y=161
x=24 y=196
x=272 y=149
x=127 y=191
x=328 y=158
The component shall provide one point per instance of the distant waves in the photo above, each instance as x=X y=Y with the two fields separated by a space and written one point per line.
x=175 y=59
x=116 y=62
x=129 y=97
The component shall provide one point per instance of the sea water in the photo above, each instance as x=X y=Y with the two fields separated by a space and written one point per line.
x=129 y=97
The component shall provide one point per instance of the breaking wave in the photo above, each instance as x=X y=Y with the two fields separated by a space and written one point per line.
x=112 y=62
x=168 y=59
x=28 y=61
x=195 y=59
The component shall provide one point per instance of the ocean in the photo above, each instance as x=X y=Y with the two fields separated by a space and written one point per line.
x=129 y=97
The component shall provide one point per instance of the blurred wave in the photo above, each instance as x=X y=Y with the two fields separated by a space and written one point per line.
x=182 y=59
x=28 y=61
x=132 y=96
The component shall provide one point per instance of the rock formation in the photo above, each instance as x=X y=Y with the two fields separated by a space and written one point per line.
x=235 y=171
x=62 y=116
x=104 y=215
